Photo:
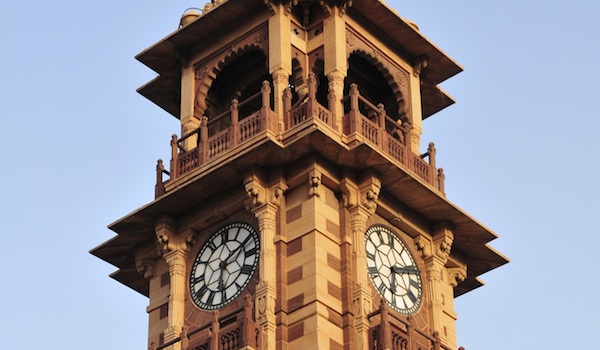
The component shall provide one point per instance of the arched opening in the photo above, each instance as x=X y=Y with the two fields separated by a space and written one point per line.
x=375 y=88
x=322 y=83
x=240 y=79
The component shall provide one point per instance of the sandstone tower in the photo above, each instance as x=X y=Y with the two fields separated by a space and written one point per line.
x=300 y=208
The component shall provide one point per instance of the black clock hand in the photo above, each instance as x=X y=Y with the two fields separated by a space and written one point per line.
x=411 y=269
x=393 y=283
x=222 y=266
x=234 y=255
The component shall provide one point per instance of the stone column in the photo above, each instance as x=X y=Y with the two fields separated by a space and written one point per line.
x=361 y=202
x=435 y=255
x=173 y=247
x=263 y=202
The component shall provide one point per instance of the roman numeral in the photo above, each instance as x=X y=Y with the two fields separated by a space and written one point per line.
x=247 y=269
x=411 y=296
x=211 y=296
x=251 y=252
x=381 y=288
x=197 y=279
x=202 y=290
x=415 y=283
x=370 y=256
x=373 y=271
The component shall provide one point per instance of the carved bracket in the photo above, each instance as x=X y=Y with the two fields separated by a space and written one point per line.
x=420 y=65
x=168 y=240
x=369 y=192
x=456 y=275
x=442 y=240
x=255 y=190
x=145 y=268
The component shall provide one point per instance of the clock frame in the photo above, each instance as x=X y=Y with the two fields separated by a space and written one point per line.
x=393 y=270
x=224 y=266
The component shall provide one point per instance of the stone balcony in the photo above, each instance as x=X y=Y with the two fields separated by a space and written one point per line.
x=252 y=122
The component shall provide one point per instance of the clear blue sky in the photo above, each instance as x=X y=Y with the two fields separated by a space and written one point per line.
x=519 y=149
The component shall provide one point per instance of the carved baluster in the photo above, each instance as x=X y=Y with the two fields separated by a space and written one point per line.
x=203 y=145
x=174 y=157
x=407 y=151
x=410 y=333
x=184 y=338
x=266 y=117
x=441 y=179
x=311 y=104
x=248 y=326
x=215 y=331
x=159 y=189
x=436 y=341
x=385 y=332
x=431 y=150
x=234 y=128
x=354 y=110
x=287 y=107
x=381 y=115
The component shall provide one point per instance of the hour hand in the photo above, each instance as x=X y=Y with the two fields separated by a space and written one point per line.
x=406 y=269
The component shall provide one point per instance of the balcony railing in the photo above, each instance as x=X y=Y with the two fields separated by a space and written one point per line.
x=363 y=122
x=397 y=334
x=236 y=330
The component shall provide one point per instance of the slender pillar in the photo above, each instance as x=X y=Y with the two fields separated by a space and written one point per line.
x=173 y=247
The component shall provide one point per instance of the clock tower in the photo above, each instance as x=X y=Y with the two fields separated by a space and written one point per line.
x=299 y=209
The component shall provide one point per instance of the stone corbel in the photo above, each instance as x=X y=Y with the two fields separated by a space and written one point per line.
x=349 y=193
x=270 y=6
x=167 y=238
x=456 y=275
x=314 y=182
x=344 y=9
x=423 y=246
x=420 y=65
x=369 y=192
x=145 y=268
x=255 y=190
x=277 y=193
x=442 y=240
x=290 y=7
x=325 y=8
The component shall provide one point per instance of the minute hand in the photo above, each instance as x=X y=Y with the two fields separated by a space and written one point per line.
x=411 y=269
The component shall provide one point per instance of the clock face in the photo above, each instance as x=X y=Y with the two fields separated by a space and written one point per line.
x=393 y=270
x=224 y=266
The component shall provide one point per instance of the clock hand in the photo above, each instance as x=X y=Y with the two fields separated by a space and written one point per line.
x=222 y=266
x=410 y=269
x=234 y=255
x=393 y=283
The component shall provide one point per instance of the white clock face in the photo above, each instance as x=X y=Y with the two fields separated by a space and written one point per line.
x=393 y=270
x=224 y=266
